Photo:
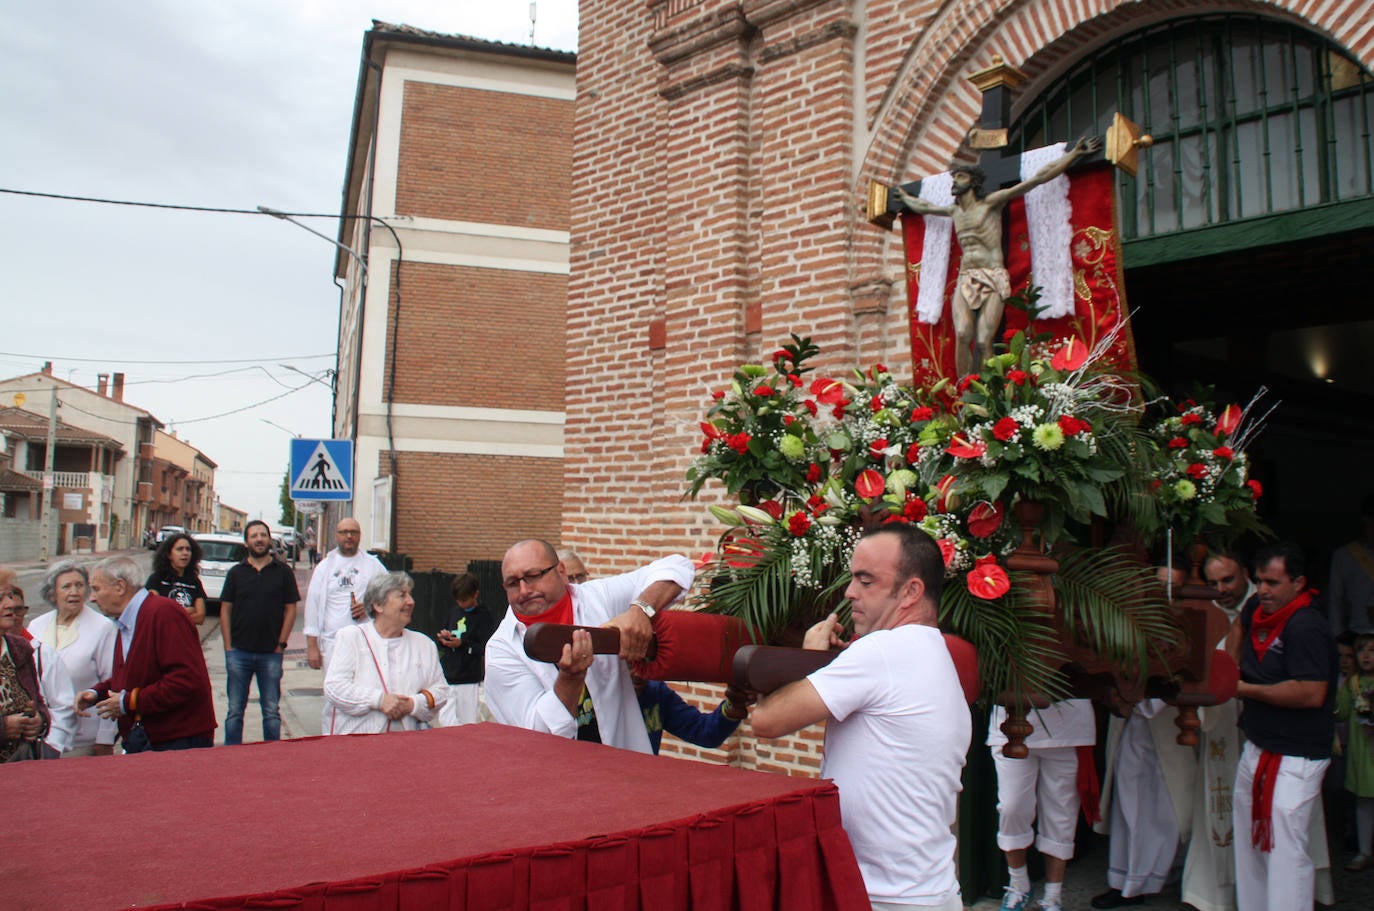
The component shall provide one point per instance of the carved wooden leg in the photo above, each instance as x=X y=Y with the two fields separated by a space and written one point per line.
x=1188 y=725
x=1017 y=729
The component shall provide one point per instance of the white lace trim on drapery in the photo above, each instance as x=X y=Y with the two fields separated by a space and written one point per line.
x=1051 y=233
x=930 y=297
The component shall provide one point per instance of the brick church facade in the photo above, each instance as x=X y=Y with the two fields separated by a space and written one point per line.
x=722 y=154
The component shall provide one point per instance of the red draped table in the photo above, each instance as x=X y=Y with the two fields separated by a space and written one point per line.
x=477 y=817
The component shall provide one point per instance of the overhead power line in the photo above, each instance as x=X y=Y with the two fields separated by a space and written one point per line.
x=195 y=363
x=142 y=204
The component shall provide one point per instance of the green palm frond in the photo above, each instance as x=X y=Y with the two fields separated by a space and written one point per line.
x=1114 y=606
x=1017 y=649
x=765 y=595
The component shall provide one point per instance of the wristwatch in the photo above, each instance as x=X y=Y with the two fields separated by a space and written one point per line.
x=282 y=645
x=649 y=609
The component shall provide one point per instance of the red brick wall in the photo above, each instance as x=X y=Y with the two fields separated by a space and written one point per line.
x=452 y=508
x=481 y=156
x=483 y=338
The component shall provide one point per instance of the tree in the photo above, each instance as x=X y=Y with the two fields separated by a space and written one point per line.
x=288 y=505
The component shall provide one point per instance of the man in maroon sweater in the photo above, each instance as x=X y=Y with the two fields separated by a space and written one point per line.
x=160 y=689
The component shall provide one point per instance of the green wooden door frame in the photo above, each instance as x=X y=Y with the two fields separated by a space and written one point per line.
x=1284 y=227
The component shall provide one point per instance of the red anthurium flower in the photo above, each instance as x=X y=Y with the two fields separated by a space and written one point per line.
x=876 y=403
x=985 y=518
x=1229 y=421
x=943 y=488
x=1005 y=429
x=1256 y=490
x=1188 y=420
x=704 y=560
x=915 y=509
x=711 y=430
x=813 y=473
x=1016 y=377
x=739 y=442
x=963 y=449
x=875 y=449
x=923 y=413
x=798 y=523
x=869 y=484
x=827 y=391
x=947 y=549
x=1178 y=443
x=742 y=550
x=913 y=452
x=1197 y=471
x=765 y=390
x=718 y=394
x=988 y=581
x=810 y=406
x=1070 y=357
x=794 y=380
x=772 y=507
x=1224 y=452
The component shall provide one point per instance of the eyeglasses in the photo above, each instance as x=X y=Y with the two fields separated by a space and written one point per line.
x=529 y=578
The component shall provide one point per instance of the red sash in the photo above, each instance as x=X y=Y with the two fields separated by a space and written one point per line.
x=1089 y=788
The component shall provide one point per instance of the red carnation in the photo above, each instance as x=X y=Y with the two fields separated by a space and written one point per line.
x=816 y=504
x=876 y=403
x=765 y=390
x=798 y=523
x=772 y=507
x=1006 y=429
x=718 y=394
x=967 y=381
x=985 y=518
x=1188 y=420
x=913 y=453
x=923 y=413
x=1016 y=377
x=1256 y=490
x=1178 y=443
x=1197 y=471
x=1008 y=335
x=1070 y=357
x=813 y=473
x=1224 y=452
x=781 y=355
x=794 y=380
x=988 y=581
x=869 y=484
x=838 y=410
x=1073 y=426
x=875 y=449
x=739 y=442
x=877 y=368
x=810 y=406
x=915 y=509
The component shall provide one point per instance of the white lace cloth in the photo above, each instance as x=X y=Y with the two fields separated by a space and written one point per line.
x=1048 y=218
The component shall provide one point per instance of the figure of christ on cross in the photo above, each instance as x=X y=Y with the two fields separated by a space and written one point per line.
x=982 y=286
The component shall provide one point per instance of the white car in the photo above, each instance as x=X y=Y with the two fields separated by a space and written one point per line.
x=218 y=552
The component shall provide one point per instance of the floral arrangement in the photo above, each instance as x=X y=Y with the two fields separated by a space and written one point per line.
x=1200 y=472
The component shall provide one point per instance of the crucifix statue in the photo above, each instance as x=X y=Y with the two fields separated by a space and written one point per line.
x=983 y=286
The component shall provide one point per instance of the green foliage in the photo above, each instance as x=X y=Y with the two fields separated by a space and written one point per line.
x=1114 y=605
x=288 y=505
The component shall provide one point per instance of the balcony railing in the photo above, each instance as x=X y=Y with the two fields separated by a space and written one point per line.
x=77 y=480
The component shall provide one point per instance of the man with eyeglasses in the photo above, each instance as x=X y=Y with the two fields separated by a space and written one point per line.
x=577 y=570
x=583 y=696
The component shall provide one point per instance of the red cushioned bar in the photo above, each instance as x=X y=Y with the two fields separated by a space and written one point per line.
x=361 y=822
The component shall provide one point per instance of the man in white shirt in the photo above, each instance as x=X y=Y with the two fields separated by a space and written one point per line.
x=335 y=596
x=584 y=696
x=899 y=727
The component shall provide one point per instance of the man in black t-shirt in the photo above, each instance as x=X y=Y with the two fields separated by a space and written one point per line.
x=256 y=617
x=1287 y=660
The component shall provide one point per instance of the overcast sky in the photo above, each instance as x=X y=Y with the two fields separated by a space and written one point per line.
x=208 y=104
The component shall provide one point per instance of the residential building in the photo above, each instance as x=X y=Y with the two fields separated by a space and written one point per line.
x=228 y=519
x=103 y=414
x=451 y=341
x=183 y=485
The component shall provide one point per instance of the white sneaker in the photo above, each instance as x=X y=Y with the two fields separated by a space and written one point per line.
x=1013 y=900
x=1050 y=906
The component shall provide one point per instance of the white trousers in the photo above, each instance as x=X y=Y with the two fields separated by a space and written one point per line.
x=953 y=902
x=1040 y=789
x=462 y=706
x=1284 y=879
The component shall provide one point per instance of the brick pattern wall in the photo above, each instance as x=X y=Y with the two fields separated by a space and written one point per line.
x=718 y=185
x=482 y=338
x=482 y=156
x=453 y=507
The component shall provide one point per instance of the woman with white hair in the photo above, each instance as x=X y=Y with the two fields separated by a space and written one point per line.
x=383 y=677
x=83 y=639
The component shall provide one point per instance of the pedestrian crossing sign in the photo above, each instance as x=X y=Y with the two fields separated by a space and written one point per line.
x=321 y=469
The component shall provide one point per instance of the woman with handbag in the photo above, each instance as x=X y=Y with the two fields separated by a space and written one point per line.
x=23 y=712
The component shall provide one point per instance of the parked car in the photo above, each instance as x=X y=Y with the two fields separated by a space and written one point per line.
x=166 y=532
x=218 y=552
x=292 y=542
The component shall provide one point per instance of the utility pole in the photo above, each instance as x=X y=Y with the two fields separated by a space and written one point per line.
x=48 y=485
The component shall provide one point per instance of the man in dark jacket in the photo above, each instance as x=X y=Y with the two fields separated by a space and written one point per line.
x=160 y=689
x=463 y=643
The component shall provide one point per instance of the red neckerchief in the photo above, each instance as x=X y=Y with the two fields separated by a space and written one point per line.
x=561 y=612
x=1274 y=623
x=1267 y=770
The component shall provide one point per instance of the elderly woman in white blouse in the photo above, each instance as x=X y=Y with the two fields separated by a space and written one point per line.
x=83 y=638
x=383 y=677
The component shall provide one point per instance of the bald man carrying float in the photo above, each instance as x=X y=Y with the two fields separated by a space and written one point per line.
x=584 y=696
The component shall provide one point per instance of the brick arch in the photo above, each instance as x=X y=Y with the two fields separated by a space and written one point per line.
x=931 y=104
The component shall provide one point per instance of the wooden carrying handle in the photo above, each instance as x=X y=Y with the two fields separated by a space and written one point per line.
x=765 y=668
x=545 y=641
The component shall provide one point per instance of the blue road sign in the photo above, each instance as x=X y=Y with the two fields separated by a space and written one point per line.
x=321 y=469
